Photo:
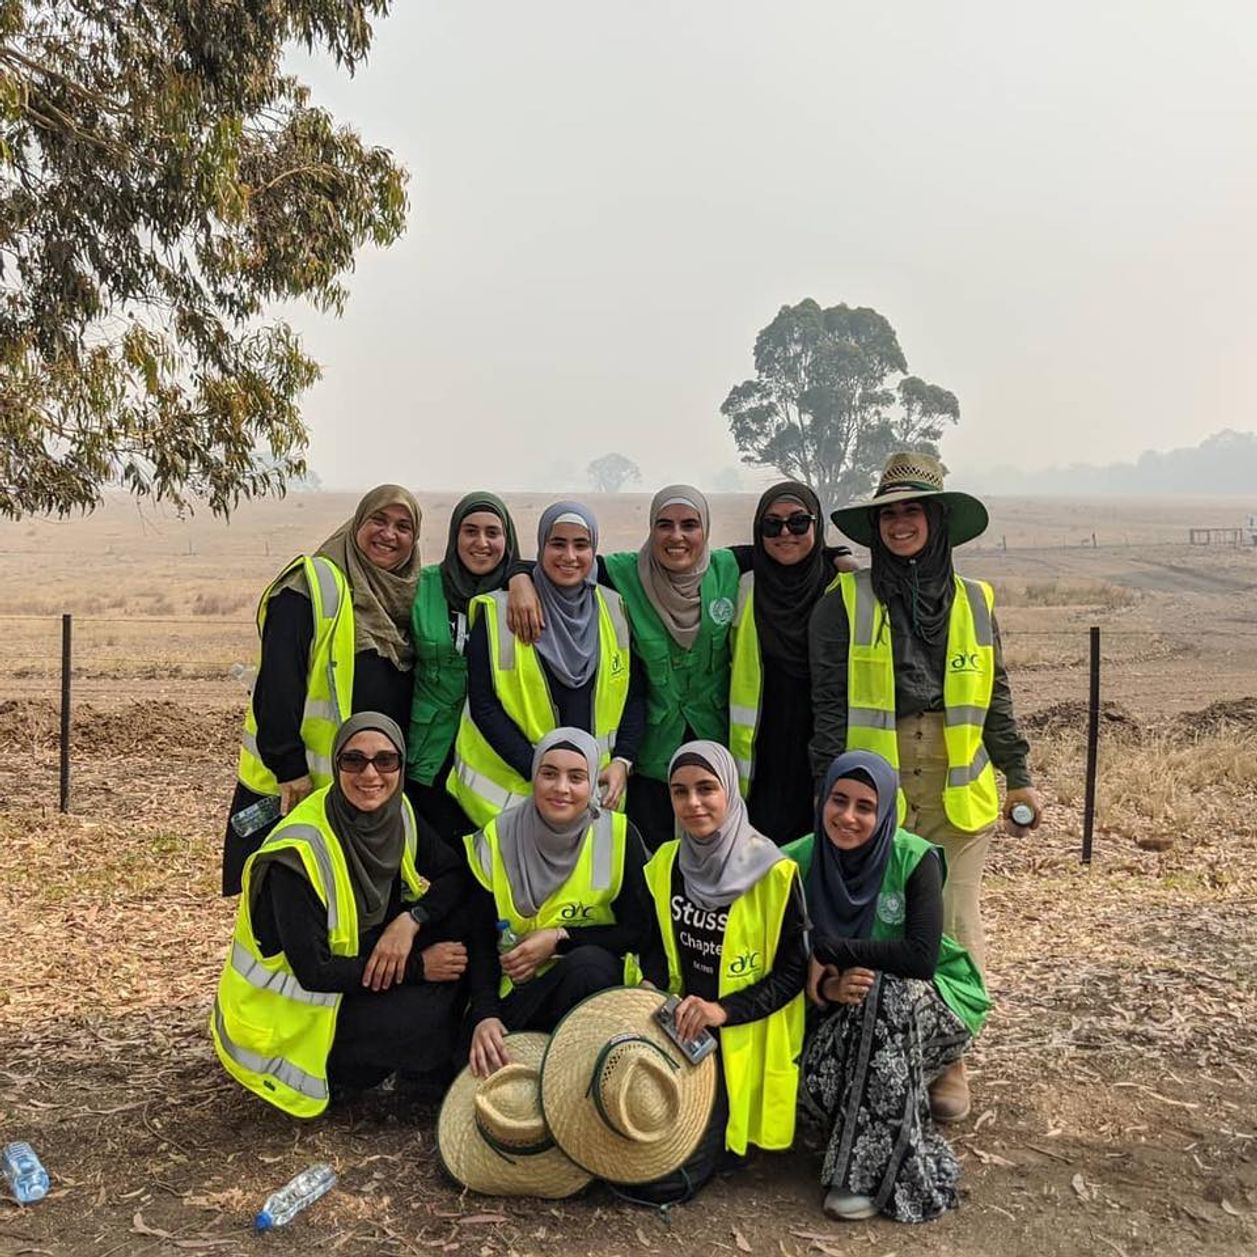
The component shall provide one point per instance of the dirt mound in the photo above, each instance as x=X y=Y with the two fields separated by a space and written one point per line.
x=1071 y=717
x=1228 y=716
x=153 y=726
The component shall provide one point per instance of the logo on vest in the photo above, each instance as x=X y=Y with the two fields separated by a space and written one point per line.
x=891 y=907
x=575 y=912
x=617 y=663
x=965 y=661
x=720 y=610
x=745 y=964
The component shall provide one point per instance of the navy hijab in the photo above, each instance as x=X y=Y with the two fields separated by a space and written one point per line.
x=843 y=886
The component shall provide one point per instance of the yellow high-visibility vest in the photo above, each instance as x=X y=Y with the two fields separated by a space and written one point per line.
x=746 y=684
x=330 y=683
x=584 y=899
x=760 y=1058
x=481 y=780
x=970 y=797
x=271 y=1034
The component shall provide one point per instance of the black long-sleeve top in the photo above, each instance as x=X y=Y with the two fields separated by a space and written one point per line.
x=574 y=706
x=629 y=932
x=290 y=917
x=915 y=955
x=699 y=934
x=919 y=672
x=279 y=693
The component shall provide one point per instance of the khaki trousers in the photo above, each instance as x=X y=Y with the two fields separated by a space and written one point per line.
x=923 y=775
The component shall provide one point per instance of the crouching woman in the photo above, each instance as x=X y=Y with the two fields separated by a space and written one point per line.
x=331 y=981
x=897 y=1001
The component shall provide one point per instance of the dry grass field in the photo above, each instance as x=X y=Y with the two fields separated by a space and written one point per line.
x=1114 y=1111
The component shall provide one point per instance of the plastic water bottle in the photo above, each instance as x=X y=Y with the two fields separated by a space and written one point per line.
x=291 y=1199
x=507 y=940
x=26 y=1177
x=1022 y=814
x=256 y=816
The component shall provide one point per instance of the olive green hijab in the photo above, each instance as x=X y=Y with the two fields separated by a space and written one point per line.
x=460 y=584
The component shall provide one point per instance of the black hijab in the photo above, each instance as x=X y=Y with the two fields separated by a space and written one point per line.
x=372 y=841
x=460 y=584
x=785 y=596
x=843 y=886
x=925 y=583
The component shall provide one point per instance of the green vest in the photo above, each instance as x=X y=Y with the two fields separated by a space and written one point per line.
x=440 y=680
x=683 y=687
x=584 y=899
x=481 y=780
x=970 y=797
x=746 y=684
x=956 y=977
x=761 y=1058
x=330 y=684
x=270 y=1033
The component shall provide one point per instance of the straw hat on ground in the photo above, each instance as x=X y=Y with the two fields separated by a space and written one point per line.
x=492 y=1136
x=909 y=477
x=618 y=1095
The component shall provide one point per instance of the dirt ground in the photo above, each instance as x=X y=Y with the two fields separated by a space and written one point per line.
x=1114 y=1086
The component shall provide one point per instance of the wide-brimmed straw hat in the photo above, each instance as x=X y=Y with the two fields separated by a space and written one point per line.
x=491 y=1133
x=908 y=477
x=619 y=1097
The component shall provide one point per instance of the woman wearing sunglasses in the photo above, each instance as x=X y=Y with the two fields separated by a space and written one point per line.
x=785 y=571
x=340 y=970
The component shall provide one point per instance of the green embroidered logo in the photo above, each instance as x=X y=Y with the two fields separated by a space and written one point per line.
x=891 y=907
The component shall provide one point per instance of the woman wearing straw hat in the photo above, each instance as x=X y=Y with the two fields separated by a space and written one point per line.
x=731 y=924
x=579 y=674
x=566 y=877
x=899 y=1001
x=335 y=639
x=906 y=662
x=479 y=551
x=340 y=971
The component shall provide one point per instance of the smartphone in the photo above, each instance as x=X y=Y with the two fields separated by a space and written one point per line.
x=695 y=1049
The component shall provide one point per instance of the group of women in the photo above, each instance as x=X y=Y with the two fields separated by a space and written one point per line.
x=685 y=766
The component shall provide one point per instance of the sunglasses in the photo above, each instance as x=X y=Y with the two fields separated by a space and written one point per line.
x=355 y=762
x=797 y=524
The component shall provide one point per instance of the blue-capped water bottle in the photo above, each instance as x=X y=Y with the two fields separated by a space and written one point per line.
x=292 y=1198
x=507 y=941
x=26 y=1177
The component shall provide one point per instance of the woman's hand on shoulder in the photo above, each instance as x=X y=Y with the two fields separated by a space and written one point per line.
x=387 y=965
x=523 y=608
x=611 y=781
x=292 y=792
x=488 y=1047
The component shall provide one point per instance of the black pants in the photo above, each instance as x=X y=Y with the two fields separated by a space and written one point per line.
x=649 y=806
x=542 y=1003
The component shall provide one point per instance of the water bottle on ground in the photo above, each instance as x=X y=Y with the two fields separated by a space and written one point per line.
x=289 y=1201
x=256 y=816
x=26 y=1177
x=507 y=940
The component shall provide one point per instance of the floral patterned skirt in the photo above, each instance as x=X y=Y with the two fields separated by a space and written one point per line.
x=866 y=1070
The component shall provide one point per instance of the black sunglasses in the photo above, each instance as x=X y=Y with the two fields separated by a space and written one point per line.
x=797 y=524
x=355 y=762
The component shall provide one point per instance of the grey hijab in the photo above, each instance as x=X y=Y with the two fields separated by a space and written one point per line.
x=726 y=865
x=677 y=597
x=539 y=858
x=372 y=841
x=569 y=641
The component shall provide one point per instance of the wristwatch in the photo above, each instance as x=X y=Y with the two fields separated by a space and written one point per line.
x=419 y=915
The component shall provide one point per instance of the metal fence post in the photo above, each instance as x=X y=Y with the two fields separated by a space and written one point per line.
x=65 y=711
x=1093 y=739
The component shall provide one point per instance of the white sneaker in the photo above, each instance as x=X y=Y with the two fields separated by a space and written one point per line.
x=845 y=1206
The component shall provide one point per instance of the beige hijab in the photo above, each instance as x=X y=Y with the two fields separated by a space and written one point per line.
x=676 y=596
x=382 y=599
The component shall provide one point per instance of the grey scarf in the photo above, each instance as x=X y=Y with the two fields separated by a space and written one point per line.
x=676 y=596
x=539 y=858
x=725 y=866
x=569 y=641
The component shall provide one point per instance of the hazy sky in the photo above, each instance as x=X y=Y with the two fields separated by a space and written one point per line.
x=1054 y=206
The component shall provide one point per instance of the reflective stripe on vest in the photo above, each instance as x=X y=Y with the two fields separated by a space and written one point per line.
x=271 y=1034
x=745 y=684
x=584 y=899
x=329 y=684
x=759 y=1058
x=485 y=784
x=970 y=797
